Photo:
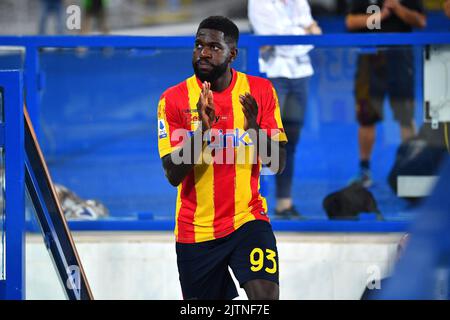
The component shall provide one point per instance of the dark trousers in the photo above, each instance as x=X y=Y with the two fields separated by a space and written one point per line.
x=292 y=97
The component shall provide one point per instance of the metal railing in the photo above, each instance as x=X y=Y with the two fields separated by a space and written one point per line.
x=250 y=43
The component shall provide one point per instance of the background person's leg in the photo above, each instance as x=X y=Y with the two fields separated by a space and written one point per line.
x=401 y=87
x=59 y=16
x=370 y=88
x=403 y=109
x=44 y=16
x=282 y=87
x=102 y=21
x=86 y=22
x=366 y=141
x=283 y=181
x=293 y=118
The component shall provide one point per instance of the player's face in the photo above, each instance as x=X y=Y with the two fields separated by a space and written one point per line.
x=212 y=55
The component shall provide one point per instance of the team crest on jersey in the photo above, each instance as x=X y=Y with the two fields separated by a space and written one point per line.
x=162 y=133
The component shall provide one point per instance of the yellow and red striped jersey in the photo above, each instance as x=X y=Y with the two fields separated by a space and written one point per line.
x=217 y=197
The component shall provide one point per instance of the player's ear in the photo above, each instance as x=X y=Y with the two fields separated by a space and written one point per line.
x=233 y=53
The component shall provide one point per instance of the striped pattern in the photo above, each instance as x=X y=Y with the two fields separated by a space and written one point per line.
x=217 y=198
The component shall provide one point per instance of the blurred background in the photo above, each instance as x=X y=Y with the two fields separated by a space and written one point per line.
x=97 y=128
x=134 y=16
x=97 y=112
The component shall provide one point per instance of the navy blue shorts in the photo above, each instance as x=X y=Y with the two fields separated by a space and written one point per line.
x=250 y=251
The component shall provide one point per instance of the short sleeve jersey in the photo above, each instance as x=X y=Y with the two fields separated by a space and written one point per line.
x=219 y=196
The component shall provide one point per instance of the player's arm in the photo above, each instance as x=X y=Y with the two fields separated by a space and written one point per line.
x=176 y=172
x=275 y=156
x=409 y=16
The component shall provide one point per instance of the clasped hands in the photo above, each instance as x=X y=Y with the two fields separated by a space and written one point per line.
x=207 y=111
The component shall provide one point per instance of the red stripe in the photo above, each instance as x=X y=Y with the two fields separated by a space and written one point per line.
x=186 y=230
x=188 y=196
x=256 y=202
x=224 y=177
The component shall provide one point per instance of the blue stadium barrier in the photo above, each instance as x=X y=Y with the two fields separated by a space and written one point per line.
x=12 y=277
x=249 y=44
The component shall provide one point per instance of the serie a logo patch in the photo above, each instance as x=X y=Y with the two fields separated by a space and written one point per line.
x=162 y=133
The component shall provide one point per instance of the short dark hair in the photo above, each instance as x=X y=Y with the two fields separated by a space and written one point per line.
x=228 y=27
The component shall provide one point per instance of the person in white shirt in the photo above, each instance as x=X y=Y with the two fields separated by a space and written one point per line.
x=289 y=69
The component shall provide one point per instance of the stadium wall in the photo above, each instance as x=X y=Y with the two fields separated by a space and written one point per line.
x=143 y=265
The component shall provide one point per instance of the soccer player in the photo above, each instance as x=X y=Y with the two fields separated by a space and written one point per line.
x=215 y=130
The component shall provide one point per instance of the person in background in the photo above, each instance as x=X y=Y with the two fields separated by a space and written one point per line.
x=386 y=72
x=55 y=8
x=95 y=9
x=447 y=8
x=289 y=69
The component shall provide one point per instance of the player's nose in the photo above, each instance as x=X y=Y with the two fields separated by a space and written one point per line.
x=205 y=52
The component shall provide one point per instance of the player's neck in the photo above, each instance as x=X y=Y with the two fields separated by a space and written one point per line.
x=223 y=82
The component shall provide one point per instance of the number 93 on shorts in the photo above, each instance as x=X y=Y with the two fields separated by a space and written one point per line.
x=250 y=252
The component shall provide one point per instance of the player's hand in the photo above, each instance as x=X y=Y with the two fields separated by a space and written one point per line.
x=205 y=107
x=250 y=109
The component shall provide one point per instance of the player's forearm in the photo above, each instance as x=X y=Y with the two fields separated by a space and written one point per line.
x=176 y=172
x=272 y=153
x=411 y=17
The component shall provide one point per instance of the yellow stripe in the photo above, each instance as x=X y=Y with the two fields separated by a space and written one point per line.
x=204 y=181
x=277 y=114
x=243 y=156
x=177 y=209
x=164 y=146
